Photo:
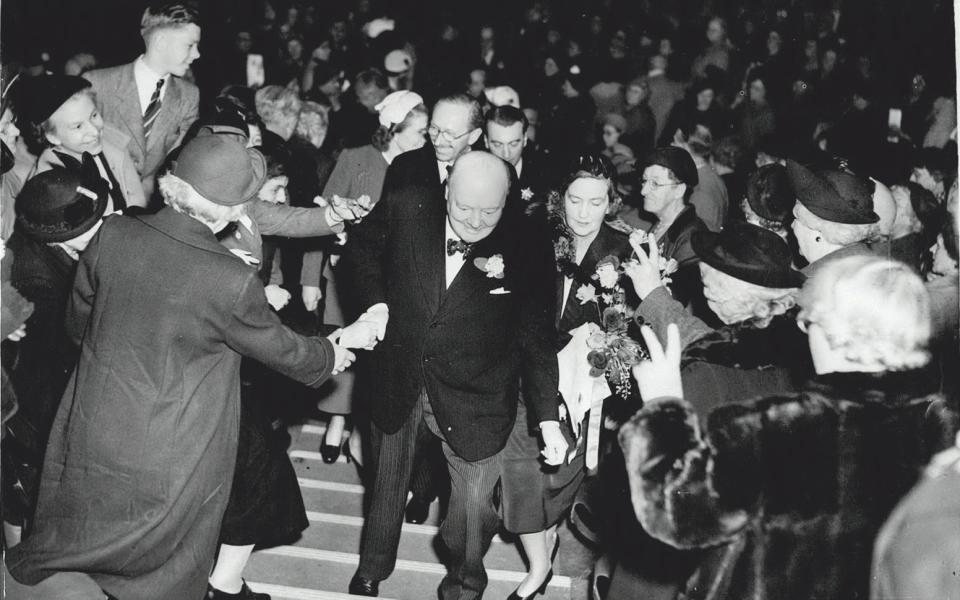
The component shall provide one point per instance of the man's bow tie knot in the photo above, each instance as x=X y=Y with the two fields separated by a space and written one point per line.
x=454 y=246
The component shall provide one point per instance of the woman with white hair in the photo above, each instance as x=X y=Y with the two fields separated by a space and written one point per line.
x=359 y=172
x=833 y=216
x=783 y=495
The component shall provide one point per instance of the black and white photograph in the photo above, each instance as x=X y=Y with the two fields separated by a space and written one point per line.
x=466 y=299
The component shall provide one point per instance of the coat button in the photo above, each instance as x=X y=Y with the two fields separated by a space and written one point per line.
x=449 y=428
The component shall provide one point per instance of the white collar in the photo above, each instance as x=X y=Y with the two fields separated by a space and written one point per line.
x=519 y=166
x=146 y=80
x=655 y=72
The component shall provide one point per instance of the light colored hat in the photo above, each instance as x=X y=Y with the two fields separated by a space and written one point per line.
x=397 y=62
x=378 y=26
x=395 y=107
x=502 y=95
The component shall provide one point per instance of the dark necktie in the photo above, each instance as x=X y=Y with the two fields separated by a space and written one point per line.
x=153 y=109
x=454 y=246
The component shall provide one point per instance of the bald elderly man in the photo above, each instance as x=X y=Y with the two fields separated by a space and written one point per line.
x=461 y=294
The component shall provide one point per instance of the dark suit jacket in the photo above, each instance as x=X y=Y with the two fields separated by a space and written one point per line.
x=120 y=106
x=465 y=346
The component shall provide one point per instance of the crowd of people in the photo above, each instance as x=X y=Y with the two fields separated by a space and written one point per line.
x=695 y=295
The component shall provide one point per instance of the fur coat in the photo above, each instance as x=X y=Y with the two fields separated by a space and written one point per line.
x=786 y=492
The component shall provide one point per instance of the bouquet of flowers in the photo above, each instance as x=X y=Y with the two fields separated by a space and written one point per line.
x=612 y=351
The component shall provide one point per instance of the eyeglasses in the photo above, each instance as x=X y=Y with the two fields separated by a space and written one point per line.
x=657 y=184
x=434 y=132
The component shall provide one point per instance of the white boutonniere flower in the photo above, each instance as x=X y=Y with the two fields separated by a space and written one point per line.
x=608 y=275
x=493 y=266
x=586 y=293
x=526 y=194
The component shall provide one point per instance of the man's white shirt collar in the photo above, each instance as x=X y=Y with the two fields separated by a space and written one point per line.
x=146 y=80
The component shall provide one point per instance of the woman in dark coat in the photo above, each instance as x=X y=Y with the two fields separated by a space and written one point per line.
x=535 y=498
x=162 y=313
x=784 y=495
x=751 y=286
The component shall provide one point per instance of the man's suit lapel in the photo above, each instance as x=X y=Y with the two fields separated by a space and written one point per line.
x=130 y=111
x=429 y=240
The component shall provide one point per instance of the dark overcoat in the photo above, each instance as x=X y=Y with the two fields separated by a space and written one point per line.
x=142 y=450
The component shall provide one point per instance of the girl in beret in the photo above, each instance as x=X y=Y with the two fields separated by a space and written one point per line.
x=66 y=129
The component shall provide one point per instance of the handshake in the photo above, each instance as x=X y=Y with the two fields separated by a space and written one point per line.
x=362 y=334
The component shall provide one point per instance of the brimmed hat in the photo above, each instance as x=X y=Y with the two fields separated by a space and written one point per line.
x=678 y=161
x=834 y=196
x=769 y=193
x=750 y=254
x=43 y=95
x=221 y=168
x=60 y=204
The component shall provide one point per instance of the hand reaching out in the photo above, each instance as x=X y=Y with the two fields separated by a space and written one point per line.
x=342 y=358
x=277 y=296
x=360 y=334
x=645 y=271
x=659 y=376
x=346 y=209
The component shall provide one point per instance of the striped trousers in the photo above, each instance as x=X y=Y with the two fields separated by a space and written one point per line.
x=471 y=520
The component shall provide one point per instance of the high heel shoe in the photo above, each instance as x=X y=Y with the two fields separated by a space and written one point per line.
x=537 y=592
x=329 y=453
x=546 y=581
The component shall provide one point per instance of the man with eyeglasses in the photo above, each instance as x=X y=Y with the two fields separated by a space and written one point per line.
x=459 y=287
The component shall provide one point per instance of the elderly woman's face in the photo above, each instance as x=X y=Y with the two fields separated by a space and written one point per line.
x=8 y=129
x=77 y=126
x=724 y=295
x=807 y=237
x=585 y=205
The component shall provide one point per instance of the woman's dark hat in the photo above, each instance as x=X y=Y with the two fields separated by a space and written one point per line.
x=834 y=196
x=678 y=161
x=220 y=168
x=769 y=193
x=41 y=96
x=59 y=205
x=748 y=253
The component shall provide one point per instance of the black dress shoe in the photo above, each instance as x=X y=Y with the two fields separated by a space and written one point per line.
x=361 y=586
x=417 y=511
x=245 y=593
x=330 y=454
